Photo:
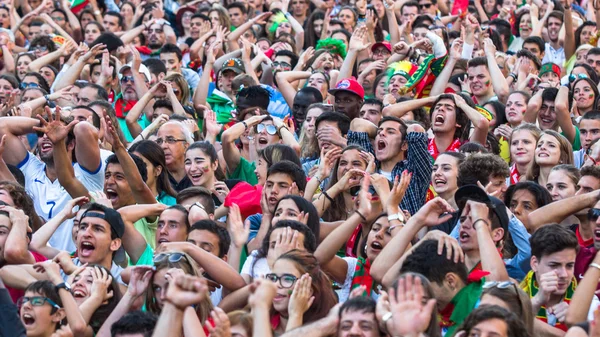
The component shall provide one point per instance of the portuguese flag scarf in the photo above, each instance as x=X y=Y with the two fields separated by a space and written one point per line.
x=460 y=307
x=530 y=286
x=362 y=276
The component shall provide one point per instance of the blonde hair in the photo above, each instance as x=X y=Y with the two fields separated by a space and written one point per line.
x=182 y=83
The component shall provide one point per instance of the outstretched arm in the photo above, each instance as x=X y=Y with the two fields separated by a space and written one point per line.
x=560 y=210
x=561 y=106
x=499 y=83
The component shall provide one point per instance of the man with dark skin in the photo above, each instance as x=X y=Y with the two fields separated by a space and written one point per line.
x=349 y=96
x=305 y=97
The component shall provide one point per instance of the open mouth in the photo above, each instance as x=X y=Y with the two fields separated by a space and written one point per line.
x=546 y=121
x=111 y=194
x=272 y=200
x=597 y=234
x=439 y=182
x=27 y=319
x=162 y=240
x=87 y=248
x=381 y=145
x=464 y=236
x=46 y=147
x=263 y=141
x=376 y=246
x=78 y=293
x=196 y=176
x=543 y=155
x=439 y=120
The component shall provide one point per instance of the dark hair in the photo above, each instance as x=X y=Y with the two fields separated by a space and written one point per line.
x=472 y=147
x=102 y=313
x=240 y=5
x=461 y=117
x=310 y=39
x=20 y=178
x=14 y=82
x=503 y=28
x=500 y=111
x=517 y=301
x=110 y=111
x=403 y=128
x=168 y=48
x=480 y=167
x=291 y=55
x=592 y=171
x=314 y=92
x=156 y=156
x=278 y=152
x=589 y=69
x=256 y=95
x=478 y=61
x=162 y=103
x=538 y=41
x=550 y=239
x=515 y=327
x=45 y=41
x=527 y=54
x=155 y=66
x=409 y=4
x=307 y=207
x=580 y=29
x=594 y=87
x=373 y=101
x=358 y=304
x=219 y=231
x=41 y=80
x=119 y=16
x=342 y=31
x=135 y=322
x=549 y=94
x=198 y=192
x=343 y=122
x=426 y=260
x=141 y=165
x=101 y=93
x=541 y=195
x=518 y=20
x=293 y=170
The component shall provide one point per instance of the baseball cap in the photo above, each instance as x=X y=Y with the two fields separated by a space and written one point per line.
x=143 y=69
x=387 y=46
x=234 y=64
x=475 y=193
x=349 y=85
x=114 y=219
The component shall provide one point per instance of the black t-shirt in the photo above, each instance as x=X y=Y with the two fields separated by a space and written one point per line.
x=448 y=225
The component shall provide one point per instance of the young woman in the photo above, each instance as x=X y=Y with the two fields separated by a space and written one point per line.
x=320 y=80
x=304 y=292
x=562 y=181
x=22 y=64
x=551 y=149
x=510 y=297
x=523 y=142
x=202 y=167
x=444 y=176
x=128 y=13
x=158 y=177
x=92 y=31
x=525 y=197
x=180 y=87
x=584 y=96
x=308 y=140
x=380 y=87
x=49 y=73
x=314 y=25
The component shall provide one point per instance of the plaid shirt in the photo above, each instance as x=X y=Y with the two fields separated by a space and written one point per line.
x=418 y=163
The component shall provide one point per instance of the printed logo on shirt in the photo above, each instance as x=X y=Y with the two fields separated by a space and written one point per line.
x=38 y=181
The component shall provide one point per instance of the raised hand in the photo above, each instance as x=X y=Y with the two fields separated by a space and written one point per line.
x=101 y=198
x=351 y=178
x=221 y=190
x=398 y=191
x=111 y=135
x=331 y=135
x=456 y=49
x=222 y=326
x=364 y=198
x=548 y=284
x=434 y=212
x=69 y=211
x=302 y=296
x=139 y=281
x=54 y=129
x=238 y=230
x=451 y=244
x=186 y=290
x=262 y=292
x=409 y=314
x=100 y=284
x=370 y=159
x=210 y=121
x=359 y=39
x=51 y=268
x=287 y=240
x=63 y=259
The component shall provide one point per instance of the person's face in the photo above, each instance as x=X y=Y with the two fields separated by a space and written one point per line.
x=347 y=103
x=225 y=80
x=326 y=62
x=82 y=285
x=379 y=236
x=39 y=320
x=467 y=233
x=550 y=77
x=584 y=95
x=86 y=96
x=86 y=18
x=379 y=8
x=427 y=7
x=347 y=18
x=111 y=23
x=298 y=7
x=116 y=188
x=587 y=33
x=81 y=115
x=30 y=95
x=91 y=33
x=34 y=31
x=388 y=142
x=264 y=45
x=214 y=18
x=282 y=63
x=236 y=16
x=554 y=25
x=589 y=130
x=547 y=151
x=31 y=79
x=5 y=226
x=560 y=185
x=493 y=327
x=349 y=160
x=593 y=61
x=195 y=25
x=562 y=263
x=4 y=18
x=277 y=187
x=525 y=26
x=159 y=284
x=286 y=210
x=380 y=53
x=5 y=90
x=22 y=65
x=318 y=81
x=547 y=116
x=206 y=240
x=480 y=80
x=199 y=168
x=489 y=6
x=370 y=77
x=94 y=244
x=309 y=123
x=522 y=147
x=340 y=36
x=371 y=112
x=409 y=13
x=261 y=170
x=522 y=203
x=498 y=184
x=358 y=323
x=156 y=36
x=396 y=82
x=534 y=49
x=381 y=89
x=444 y=116
x=301 y=102
x=48 y=75
x=127 y=11
x=444 y=175
x=587 y=184
x=262 y=138
x=171 y=227
x=420 y=32
x=318 y=26
x=282 y=298
x=128 y=85
x=174 y=153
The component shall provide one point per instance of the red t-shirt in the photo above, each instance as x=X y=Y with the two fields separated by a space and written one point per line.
x=15 y=294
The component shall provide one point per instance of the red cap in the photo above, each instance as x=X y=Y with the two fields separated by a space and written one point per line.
x=387 y=46
x=349 y=85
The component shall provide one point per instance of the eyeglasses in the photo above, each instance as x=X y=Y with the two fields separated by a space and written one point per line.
x=282 y=64
x=38 y=49
x=381 y=51
x=171 y=257
x=36 y=301
x=168 y=140
x=285 y=281
x=593 y=214
x=423 y=6
x=572 y=77
x=25 y=85
x=126 y=79
x=271 y=129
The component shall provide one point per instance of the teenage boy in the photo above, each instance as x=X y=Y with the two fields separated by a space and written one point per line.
x=551 y=282
x=589 y=129
x=398 y=147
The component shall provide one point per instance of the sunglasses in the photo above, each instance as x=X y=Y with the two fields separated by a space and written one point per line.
x=25 y=85
x=271 y=129
x=126 y=79
x=572 y=77
x=171 y=257
x=423 y=6
x=593 y=214
x=36 y=301
x=286 y=281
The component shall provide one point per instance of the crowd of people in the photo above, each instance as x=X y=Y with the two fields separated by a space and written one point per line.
x=299 y=168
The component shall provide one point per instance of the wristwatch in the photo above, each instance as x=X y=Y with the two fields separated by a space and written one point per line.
x=64 y=286
x=398 y=216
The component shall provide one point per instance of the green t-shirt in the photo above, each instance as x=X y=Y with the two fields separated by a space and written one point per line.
x=146 y=259
x=143 y=122
x=577 y=143
x=245 y=171
x=166 y=199
x=148 y=230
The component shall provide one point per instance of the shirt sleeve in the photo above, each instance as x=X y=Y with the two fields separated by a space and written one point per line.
x=419 y=164
x=520 y=238
x=10 y=322
x=361 y=139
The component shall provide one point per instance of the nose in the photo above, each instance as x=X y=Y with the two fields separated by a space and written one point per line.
x=517 y=210
x=561 y=272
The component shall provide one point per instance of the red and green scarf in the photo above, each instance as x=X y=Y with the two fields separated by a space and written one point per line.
x=122 y=107
x=362 y=276
x=530 y=286
x=461 y=306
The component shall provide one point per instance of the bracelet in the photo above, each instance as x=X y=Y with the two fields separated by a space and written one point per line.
x=328 y=197
x=142 y=135
x=245 y=125
x=318 y=179
x=362 y=216
x=594 y=265
x=481 y=219
x=384 y=319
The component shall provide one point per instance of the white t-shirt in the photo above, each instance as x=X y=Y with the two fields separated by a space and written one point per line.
x=50 y=197
x=261 y=267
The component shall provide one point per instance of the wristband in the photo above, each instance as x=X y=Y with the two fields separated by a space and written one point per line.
x=384 y=321
x=481 y=219
x=328 y=197
x=595 y=265
x=360 y=215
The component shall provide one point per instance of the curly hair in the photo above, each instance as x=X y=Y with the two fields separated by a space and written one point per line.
x=22 y=201
x=481 y=167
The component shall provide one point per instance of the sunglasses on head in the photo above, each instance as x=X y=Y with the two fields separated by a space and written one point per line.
x=573 y=78
x=25 y=85
x=271 y=129
x=171 y=257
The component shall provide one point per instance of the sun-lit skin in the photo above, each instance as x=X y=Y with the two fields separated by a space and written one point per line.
x=560 y=185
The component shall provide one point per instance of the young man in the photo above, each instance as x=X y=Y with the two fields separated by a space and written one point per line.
x=589 y=131
x=592 y=58
x=349 y=96
x=551 y=282
x=136 y=323
x=172 y=57
x=238 y=13
x=357 y=318
x=480 y=72
x=409 y=11
x=536 y=46
x=397 y=148
x=371 y=110
x=113 y=22
x=555 y=52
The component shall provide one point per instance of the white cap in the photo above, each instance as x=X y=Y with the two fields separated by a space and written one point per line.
x=143 y=69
